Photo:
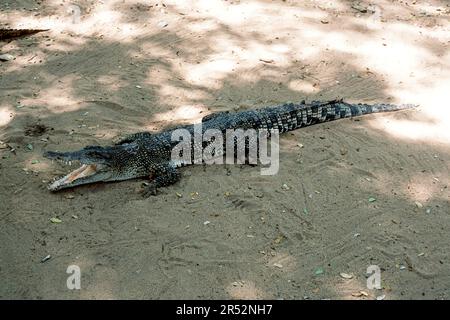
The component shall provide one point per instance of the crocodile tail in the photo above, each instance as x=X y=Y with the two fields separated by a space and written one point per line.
x=292 y=116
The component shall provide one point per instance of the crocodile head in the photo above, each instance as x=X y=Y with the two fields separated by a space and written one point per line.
x=98 y=164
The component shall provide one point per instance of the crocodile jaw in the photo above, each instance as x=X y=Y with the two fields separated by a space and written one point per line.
x=87 y=173
x=84 y=171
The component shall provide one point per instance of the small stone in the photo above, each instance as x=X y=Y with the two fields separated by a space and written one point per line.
x=162 y=24
x=418 y=205
x=206 y=222
x=318 y=271
x=360 y=294
x=6 y=57
x=285 y=187
x=381 y=297
x=278 y=265
x=359 y=7
x=346 y=275
x=46 y=258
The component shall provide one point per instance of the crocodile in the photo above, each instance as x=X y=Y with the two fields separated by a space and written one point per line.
x=146 y=154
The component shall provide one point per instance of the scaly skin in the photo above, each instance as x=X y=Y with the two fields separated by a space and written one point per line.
x=149 y=155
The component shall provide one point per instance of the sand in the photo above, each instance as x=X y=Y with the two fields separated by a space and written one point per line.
x=360 y=192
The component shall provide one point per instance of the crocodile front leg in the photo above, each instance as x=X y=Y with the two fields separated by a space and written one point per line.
x=164 y=176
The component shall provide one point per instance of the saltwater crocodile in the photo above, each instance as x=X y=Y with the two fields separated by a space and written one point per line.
x=147 y=154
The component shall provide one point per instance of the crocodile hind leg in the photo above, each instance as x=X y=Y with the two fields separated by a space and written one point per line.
x=165 y=176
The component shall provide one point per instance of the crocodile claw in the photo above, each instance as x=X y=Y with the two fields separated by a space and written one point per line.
x=149 y=190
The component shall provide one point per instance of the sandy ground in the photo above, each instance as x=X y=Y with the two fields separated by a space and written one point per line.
x=126 y=66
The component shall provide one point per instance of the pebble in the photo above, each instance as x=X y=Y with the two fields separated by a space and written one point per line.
x=359 y=7
x=6 y=57
x=360 y=294
x=162 y=24
x=346 y=275
x=46 y=258
x=278 y=265
x=285 y=187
